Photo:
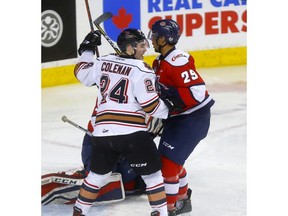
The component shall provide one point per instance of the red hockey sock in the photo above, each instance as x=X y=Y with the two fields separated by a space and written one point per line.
x=183 y=184
x=170 y=172
x=129 y=186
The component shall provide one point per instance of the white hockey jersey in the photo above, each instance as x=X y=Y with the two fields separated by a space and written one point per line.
x=126 y=91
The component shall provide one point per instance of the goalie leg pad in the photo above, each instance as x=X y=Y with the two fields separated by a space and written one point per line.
x=67 y=191
x=59 y=188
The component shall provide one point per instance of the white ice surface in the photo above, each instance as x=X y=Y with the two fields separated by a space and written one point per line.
x=216 y=168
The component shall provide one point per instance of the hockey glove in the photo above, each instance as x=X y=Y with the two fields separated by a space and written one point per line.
x=172 y=99
x=154 y=126
x=90 y=42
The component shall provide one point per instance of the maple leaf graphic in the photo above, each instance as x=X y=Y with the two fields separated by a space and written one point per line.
x=122 y=20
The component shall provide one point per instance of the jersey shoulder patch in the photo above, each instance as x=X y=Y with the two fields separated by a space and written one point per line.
x=178 y=58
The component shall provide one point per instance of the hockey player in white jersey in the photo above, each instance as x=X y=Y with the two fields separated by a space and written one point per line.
x=126 y=92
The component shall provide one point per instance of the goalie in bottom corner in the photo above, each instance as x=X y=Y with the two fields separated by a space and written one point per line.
x=63 y=187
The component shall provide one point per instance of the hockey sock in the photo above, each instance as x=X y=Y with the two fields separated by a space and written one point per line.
x=183 y=184
x=170 y=172
x=129 y=186
x=156 y=192
x=89 y=190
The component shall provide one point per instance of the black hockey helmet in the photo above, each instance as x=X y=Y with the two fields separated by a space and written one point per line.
x=130 y=36
x=167 y=28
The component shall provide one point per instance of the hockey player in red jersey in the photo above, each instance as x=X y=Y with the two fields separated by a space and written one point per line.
x=126 y=94
x=180 y=86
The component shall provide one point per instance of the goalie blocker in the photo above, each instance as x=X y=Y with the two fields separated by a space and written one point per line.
x=61 y=188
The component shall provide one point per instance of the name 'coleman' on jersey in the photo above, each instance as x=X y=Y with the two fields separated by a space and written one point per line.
x=126 y=93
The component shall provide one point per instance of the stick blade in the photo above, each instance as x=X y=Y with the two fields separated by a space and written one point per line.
x=105 y=16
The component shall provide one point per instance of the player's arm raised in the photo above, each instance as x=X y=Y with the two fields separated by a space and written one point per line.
x=87 y=51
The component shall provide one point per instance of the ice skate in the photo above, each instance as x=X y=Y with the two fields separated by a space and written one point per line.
x=77 y=211
x=172 y=212
x=155 y=213
x=184 y=206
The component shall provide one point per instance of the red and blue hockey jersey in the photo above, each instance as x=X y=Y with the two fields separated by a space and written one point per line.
x=177 y=69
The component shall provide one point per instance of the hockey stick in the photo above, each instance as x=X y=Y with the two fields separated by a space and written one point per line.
x=91 y=24
x=157 y=133
x=100 y=19
x=65 y=119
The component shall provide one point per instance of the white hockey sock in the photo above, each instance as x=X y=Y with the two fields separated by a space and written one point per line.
x=93 y=182
x=154 y=185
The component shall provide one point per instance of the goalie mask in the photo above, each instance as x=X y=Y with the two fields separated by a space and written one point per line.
x=130 y=36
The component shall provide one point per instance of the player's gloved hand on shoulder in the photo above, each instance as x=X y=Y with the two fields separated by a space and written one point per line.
x=172 y=99
x=90 y=42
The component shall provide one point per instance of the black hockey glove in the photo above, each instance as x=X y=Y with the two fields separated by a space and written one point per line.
x=90 y=42
x=172 y=99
